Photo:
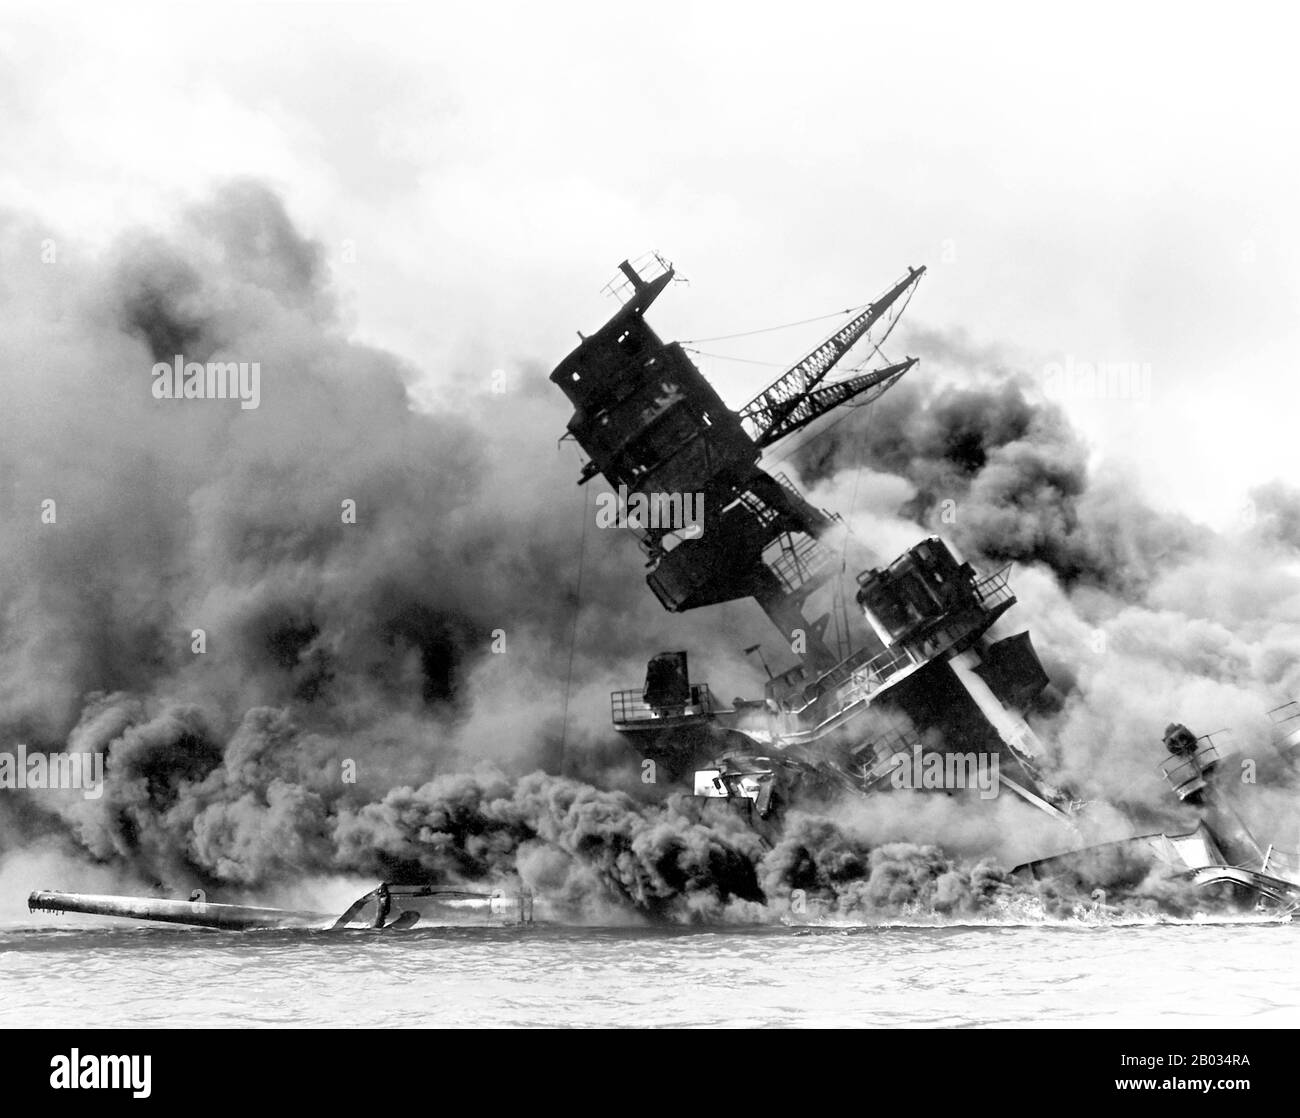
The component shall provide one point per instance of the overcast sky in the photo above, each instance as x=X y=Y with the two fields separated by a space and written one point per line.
x=1103 y=184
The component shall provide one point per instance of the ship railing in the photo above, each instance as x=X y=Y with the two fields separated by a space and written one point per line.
x=1187 y=774
x=1281 y=863
x=879 y=670
x=1287 y=719
x=826 y=520
x=846 y=667
x=630 y=706
x=995 y=589
x=649 y=266
x=856 y=678
x=879 y=759
x=801 y=561
x=785 y=483
x=1285 y=713
x=764 y=513
x=843 y=671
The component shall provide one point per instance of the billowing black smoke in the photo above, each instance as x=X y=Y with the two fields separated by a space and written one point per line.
x=1142 y=617
x=332 y=634
x=1006 y=476
x=269 y=617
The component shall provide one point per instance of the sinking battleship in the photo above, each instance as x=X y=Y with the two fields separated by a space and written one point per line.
x=910 y=678
x=912 y=681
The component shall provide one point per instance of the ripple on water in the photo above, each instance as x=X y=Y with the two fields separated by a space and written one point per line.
x=1173 y=974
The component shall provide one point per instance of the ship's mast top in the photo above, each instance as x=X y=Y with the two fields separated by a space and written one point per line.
x=658 y=432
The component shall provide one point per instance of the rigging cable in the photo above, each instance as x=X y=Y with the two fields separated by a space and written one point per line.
x=849 y=409
x=848 y=527
x=866 y=437
x=573 y=636
x=770 y=329
x=738 y=360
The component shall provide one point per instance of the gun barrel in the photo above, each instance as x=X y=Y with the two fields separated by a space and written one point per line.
x=199 y=914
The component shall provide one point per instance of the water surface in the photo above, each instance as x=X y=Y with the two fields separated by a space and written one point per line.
x=1165 y=975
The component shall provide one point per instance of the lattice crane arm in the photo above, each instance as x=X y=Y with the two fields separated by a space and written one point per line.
x=819 y=401
x=767 y=416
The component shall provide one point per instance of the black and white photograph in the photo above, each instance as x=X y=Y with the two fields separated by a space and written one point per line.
x=700 y=516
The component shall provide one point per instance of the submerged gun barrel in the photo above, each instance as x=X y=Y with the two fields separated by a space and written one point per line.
x=199 y=914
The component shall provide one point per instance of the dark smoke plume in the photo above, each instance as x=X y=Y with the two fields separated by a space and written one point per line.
x=339 y=660
x=1142 y=616
x=1016 y=476
x=384 y=698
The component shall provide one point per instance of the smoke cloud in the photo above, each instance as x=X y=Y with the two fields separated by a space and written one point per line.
x=1141 y=616
x=329 y=638
x=268 y=618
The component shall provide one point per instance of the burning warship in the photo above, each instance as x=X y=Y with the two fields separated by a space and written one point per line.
x=903 y=675
x=911 y=683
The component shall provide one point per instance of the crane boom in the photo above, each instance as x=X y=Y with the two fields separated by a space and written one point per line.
x=819 y=401
x=765 y=416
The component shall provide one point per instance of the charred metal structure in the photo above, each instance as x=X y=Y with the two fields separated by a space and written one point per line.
x=656 y=429
x=922 y=683
x=919 y=668
x=1220 y=853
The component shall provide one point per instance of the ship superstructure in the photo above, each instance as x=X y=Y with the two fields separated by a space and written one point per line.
x=918 y=674
x=656 y=430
